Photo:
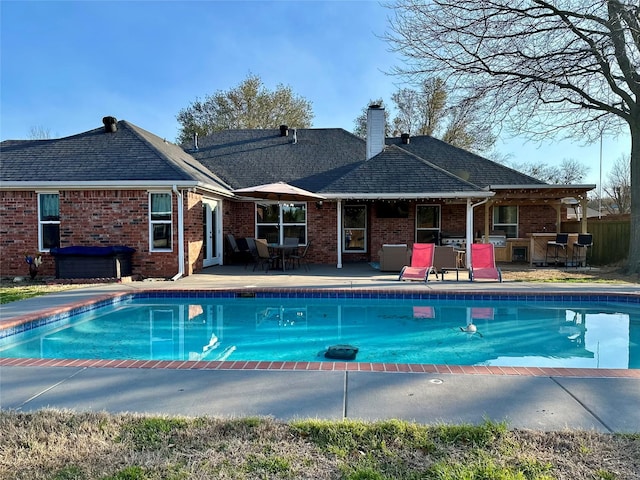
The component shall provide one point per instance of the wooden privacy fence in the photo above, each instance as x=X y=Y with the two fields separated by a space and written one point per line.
x=610 y=239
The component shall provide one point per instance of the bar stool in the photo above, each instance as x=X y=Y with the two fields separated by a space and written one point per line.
x=558 y=245
x=584 y=242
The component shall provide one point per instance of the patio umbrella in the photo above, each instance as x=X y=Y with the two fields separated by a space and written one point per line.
x=280 y=191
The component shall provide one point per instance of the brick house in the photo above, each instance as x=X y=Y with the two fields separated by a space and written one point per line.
x=122 y=185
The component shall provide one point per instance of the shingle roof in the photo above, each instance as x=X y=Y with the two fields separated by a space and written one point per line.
x=396 y=171
x=330 y=161
x=333 y=161
x=244 y=158
x=126 y=155
x=466 y=165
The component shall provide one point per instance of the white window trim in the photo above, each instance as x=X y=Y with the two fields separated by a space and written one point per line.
x=438 y=228
x=160 y=222
x=281 y=224
x=41 y=247
x=365 y=229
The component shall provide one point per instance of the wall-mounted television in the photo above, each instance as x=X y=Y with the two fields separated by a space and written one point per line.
x=393 y=209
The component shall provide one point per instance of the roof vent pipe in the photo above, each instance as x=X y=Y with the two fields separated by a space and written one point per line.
x=295 y=135
x=405 y=138
x=284 y=131
x=110 y=124
x=195 y=141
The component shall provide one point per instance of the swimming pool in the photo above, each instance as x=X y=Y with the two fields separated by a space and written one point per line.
x=524 y=330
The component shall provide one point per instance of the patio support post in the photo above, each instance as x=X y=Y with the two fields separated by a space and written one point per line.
x=180 y=203
x=469 y=229
x=583 y=218
x=487 y=224
x=469 y=232
x=339 y=236
x=558 y=208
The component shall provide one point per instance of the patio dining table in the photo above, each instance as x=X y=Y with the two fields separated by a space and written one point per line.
x=284 y=248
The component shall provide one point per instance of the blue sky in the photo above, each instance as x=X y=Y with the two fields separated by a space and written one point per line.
x=66 y=64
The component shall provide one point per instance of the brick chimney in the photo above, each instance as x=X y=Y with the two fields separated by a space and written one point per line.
x=375 y=130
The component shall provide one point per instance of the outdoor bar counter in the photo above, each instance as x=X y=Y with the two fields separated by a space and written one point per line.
x=538 y=249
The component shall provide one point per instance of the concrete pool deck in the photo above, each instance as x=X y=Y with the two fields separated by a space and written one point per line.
x=544 y=399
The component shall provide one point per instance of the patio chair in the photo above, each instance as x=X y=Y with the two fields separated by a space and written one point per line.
x=253 y=252
x=300 y=258
x=483 y=263
x=288 y=252
x=445 y=259
x=421 y=263
x=235 y=252
x=265 y=257
x=581 y=249
x=393 y=257
x=558 y=246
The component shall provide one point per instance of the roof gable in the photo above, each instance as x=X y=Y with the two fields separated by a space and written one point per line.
x=129 y=154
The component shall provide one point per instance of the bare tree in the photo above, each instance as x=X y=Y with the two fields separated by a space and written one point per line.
x=545 y=67
x=249 y=105
x=618 y=187
x=38 y=132
x=570 y=171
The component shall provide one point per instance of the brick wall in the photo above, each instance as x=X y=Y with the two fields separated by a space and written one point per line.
x=87 y=218
x=193 y=220
x=19 y=233
x=108 y=217
x=322 y=226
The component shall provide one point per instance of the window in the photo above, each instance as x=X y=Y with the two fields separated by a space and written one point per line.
x=354 y=226
x=160 y=221
x=505 y=219
x=427 y=223
x=275 y=222
x=48 y=221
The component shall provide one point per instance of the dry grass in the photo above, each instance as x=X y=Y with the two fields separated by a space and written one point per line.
x=62 y=445
x=609 y=274
x=11 y=290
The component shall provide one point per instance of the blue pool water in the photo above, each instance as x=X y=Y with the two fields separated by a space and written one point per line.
x=508 y=333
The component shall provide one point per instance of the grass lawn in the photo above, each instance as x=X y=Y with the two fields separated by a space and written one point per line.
x=56 y=445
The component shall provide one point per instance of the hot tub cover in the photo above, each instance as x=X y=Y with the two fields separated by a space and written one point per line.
x=93 y=251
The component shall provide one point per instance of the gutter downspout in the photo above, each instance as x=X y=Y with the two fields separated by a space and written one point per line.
x=339 y=215
x=469 y=239
x=180 y=201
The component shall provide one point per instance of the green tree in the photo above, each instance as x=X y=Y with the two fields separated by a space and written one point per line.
x=248 y=105
x=544 y=68
x=420 y=112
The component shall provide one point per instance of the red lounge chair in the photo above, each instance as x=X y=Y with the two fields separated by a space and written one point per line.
x=483 y=263
x=421 y=263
